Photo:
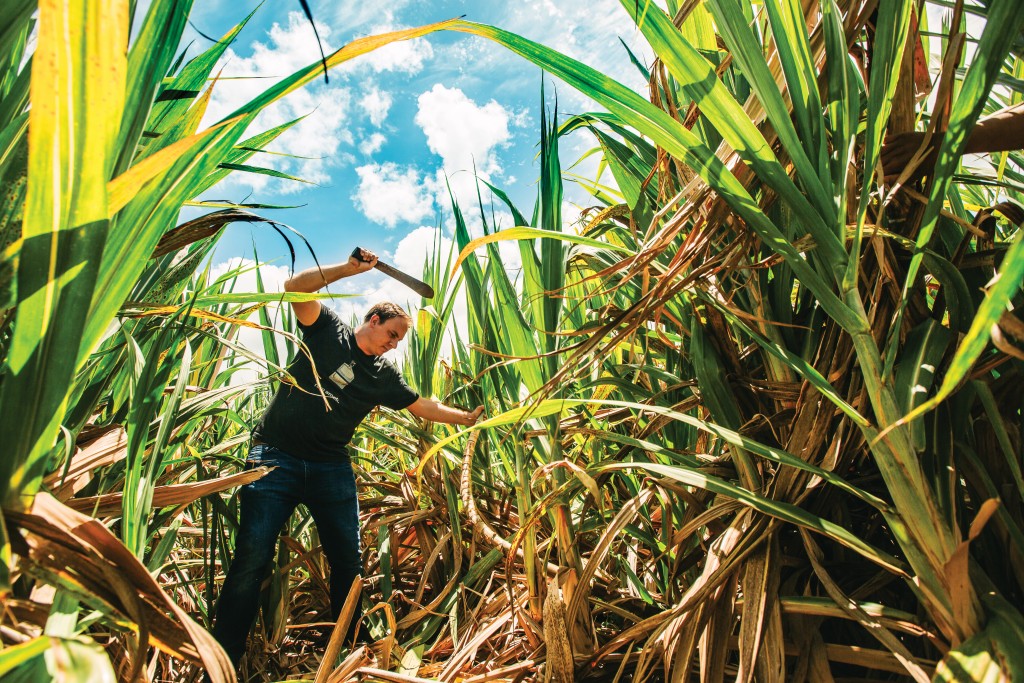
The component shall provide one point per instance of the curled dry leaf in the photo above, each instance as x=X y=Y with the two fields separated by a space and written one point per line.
x=64 y=542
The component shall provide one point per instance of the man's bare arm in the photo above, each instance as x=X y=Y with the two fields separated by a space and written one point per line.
x=313 y=279
x=1002 y=131
x=429 y=409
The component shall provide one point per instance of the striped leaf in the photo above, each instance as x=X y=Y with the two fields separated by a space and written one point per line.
x=78 y=84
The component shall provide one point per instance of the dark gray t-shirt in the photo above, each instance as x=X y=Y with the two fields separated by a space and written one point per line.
x=299 y=423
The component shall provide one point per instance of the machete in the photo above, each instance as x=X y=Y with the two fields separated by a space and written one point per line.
x=418 y=286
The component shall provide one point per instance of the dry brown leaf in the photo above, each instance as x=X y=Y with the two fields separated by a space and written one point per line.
x=341 y=628
x=169 y=495
x=558 y=667
x=104 y=450
x=95 y=556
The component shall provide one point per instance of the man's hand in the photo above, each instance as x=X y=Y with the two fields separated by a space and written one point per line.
x=1002 y=131
x=429 y=409
x=898 y=150
x=313 y=279
x=364 y=261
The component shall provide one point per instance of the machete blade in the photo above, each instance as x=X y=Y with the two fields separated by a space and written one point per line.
x=415 y=284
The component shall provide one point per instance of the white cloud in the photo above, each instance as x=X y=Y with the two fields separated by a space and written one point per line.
x=390 y=194
x=466 y=136
x=319 y=135
x=376 y=104
x=356 y=15
x=372 y=144
x=462 y=132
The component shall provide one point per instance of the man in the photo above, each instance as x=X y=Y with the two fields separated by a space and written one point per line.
x=306 y=442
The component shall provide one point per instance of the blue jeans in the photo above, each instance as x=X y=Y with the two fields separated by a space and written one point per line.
x=329 y=492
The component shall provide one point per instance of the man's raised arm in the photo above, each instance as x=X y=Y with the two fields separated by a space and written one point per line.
x=312 y=279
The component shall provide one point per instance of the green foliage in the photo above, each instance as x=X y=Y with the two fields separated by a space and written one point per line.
x=756 y=408
x=104 y=328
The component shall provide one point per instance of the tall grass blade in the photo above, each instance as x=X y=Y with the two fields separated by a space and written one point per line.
x=679 y=142
x=78 y=81
x=1005 y=286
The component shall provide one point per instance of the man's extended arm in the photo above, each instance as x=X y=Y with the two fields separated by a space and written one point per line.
x=312 y=279
x=1002 y=131
x=429 y=409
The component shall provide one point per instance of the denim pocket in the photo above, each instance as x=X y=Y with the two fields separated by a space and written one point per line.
x=261 y=455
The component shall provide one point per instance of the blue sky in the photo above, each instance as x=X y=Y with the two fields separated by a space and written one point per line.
x=390 y=129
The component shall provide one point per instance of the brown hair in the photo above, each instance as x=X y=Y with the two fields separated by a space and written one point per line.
x=385 y=311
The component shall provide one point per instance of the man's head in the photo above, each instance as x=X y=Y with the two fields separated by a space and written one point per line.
x=384 y=325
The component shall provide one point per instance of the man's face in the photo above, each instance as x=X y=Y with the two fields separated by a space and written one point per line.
x=385 y=336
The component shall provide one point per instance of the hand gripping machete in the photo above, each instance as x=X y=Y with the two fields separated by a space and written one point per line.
x=418 y=286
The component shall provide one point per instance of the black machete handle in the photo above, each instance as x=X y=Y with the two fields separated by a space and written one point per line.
x=415 y=284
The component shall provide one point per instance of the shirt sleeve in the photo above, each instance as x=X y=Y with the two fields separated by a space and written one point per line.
x=398 y=395
x=325 y=319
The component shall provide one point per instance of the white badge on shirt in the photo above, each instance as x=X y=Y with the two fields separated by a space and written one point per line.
x=343 y=375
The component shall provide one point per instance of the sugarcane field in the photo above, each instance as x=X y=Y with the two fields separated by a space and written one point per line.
x=541 y=341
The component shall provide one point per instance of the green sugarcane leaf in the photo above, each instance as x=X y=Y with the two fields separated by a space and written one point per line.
x=72 y=660
x=789 y=28
x=995 y=418
x=262 y=170
x=716 y=393
x=127 y=185
x=1004 y=287
x=919 y=361
x=243 y=151
x=517 y=216
x=741 y=134
x=15 y=656
x=843 y=103
x=12 y=137
x=15 y=26
x=627 y=168
x=351 y=50
x=151 y=55
x=78 y=81
x=1003 y=25
x=955 y=292
x=994 y=654
x=780 y=510
x=525 y=233
x=171 y=106
x=547 y=306
x=187 y=124
x=891 y=37
x=138 y=227
x=267 y=335
x=678 y=141
x=152 y=379
x=277 y=598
